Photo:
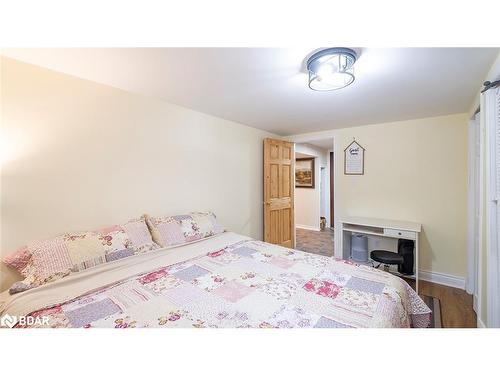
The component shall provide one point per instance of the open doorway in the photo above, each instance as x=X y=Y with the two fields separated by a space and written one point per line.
x=314 y=198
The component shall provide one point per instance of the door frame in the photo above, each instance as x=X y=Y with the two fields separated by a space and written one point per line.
x=331 y=158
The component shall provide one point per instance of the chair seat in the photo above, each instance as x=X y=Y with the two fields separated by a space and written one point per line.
x=387 y=257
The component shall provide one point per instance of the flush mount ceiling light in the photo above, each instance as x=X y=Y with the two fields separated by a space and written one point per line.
x=331 y=69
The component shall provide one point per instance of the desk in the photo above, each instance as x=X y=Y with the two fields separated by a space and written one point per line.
x=382 y=228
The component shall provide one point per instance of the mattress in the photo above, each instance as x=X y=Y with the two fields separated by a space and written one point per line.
x=225 y=281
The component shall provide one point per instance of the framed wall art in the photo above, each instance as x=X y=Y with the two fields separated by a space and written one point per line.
x=304 y=173
x=354 y=159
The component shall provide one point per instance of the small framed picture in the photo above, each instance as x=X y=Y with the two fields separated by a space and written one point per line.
x=304 y=173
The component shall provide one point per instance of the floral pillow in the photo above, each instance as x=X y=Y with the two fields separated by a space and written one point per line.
x=43 y=261
x=174 y=230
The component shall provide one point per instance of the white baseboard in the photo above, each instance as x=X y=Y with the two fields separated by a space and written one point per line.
x=480 y=323
x=443 y=279
x=475 y=303
x=317 y=229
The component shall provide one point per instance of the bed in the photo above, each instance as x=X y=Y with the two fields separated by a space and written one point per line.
x=222 y=281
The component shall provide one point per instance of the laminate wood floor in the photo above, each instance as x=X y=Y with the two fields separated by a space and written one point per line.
x=456 y=304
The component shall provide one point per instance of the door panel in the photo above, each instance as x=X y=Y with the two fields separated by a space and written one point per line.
x=285 y=171
x=274 y=224
x=274 y=181
x=286 y=230
x=274 y=153
x=287 y=151
x=278 y=192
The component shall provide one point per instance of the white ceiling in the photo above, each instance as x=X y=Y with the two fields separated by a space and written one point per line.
x=267 y=87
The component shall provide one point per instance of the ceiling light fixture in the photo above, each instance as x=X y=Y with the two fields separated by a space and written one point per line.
x=331 y=69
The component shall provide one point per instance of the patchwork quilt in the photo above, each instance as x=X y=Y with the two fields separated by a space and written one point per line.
x=246 y=283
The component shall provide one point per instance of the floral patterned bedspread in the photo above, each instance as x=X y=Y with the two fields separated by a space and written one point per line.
x=249 y=284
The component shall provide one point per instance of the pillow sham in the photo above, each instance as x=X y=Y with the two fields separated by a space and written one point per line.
x=174 y=230
x=43 y=261
x=19 y=259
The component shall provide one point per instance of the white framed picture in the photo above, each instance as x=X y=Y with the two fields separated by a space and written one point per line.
x=354 y=159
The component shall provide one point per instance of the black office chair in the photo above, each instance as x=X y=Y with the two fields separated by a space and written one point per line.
x=403 y=258
x=386 y=258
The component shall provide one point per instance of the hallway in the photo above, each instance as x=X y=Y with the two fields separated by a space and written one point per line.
x=316 y=242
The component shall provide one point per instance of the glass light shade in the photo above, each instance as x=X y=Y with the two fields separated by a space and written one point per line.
x=331 y=69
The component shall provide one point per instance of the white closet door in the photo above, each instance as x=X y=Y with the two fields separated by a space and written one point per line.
x=492 y=122
x=477 y=208
x=473 y=215
x=497 y=146
x=496 y=203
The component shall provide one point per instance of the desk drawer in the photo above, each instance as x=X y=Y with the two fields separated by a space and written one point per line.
x=400 y=233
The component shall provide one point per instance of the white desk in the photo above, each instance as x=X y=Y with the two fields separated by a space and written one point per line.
x=382 y=228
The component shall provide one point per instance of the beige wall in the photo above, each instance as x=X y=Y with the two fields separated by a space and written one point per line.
x=415 y=171
x=77 y=155
x=307 y=207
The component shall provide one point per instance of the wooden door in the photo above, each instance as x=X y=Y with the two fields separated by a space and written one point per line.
x=279 y=178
